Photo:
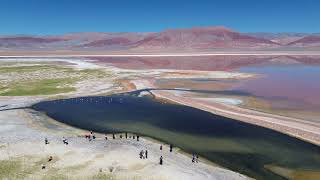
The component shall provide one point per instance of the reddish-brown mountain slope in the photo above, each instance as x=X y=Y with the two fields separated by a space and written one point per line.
x=201 y=38
x=192 y=39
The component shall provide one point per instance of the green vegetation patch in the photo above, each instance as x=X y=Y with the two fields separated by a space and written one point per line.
x=41 y=78
x=41 y=87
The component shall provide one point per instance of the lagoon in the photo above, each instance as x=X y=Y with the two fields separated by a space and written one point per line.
x=239 y=146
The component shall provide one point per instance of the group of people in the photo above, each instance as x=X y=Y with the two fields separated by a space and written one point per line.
x=92 y=136
x=143 y=154
x=64 y=140
x=43 y=166
x=121 y=136
x=161 y=158
x=46 y=142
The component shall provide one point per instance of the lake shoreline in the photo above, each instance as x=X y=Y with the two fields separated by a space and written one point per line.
x=286 y=125
x=26 y=129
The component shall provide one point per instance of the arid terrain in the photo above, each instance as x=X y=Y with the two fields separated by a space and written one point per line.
x=25 y=81
x=204 y=82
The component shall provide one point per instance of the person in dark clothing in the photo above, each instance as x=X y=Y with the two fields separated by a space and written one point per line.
x=146 y=153
x=161 y=160
x=113 y=136
x=46 y=141
x=65 y=141
x=93 y=136
x=137 y=138
x=193 y=158
x=141 y=154
x=161 y=147
x=105 y=137
x=171 y=147
x=197 y=158
x=134 y=137
x=126 y=135
x=50 y=159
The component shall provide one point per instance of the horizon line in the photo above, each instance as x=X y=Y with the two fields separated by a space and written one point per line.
x=164 y=29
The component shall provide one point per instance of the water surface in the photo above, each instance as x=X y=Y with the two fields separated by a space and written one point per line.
x=239 y=146
x=294 y=82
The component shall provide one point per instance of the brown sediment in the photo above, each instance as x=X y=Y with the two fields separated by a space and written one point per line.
x=187 y=83
x=274 y=107
x=127 y=85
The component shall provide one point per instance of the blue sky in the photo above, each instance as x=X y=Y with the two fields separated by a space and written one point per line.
x=62 y=16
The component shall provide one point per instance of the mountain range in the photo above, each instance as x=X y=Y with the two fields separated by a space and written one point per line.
x=198 y=38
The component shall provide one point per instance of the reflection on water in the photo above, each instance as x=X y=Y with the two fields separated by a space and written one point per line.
x=239 y=146
x=299 y=83
x=290 y=89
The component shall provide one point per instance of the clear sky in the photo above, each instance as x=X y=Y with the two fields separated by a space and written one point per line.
x=61 y=16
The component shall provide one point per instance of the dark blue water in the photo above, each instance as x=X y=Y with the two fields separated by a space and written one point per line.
x=239 y=146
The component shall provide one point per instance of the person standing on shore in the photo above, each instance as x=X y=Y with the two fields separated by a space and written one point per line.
x=160 y=147
x=113 y=136
x=143 y=157
x=64 y=140
x=126 y=135
x=46 y=141
x=105 y=137
x=193 y=157
x=171 y=147
x=137 y=137
x=146 y=153
x=161 y=160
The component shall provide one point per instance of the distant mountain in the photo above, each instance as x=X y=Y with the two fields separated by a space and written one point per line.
x=281 y=38
x=201 y=38
x=198 y=39
x=120 y=40
x=311 y=40
x=27 y=41
x=290 y=39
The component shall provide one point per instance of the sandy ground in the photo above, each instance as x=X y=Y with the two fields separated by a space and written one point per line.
x=22 y=134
